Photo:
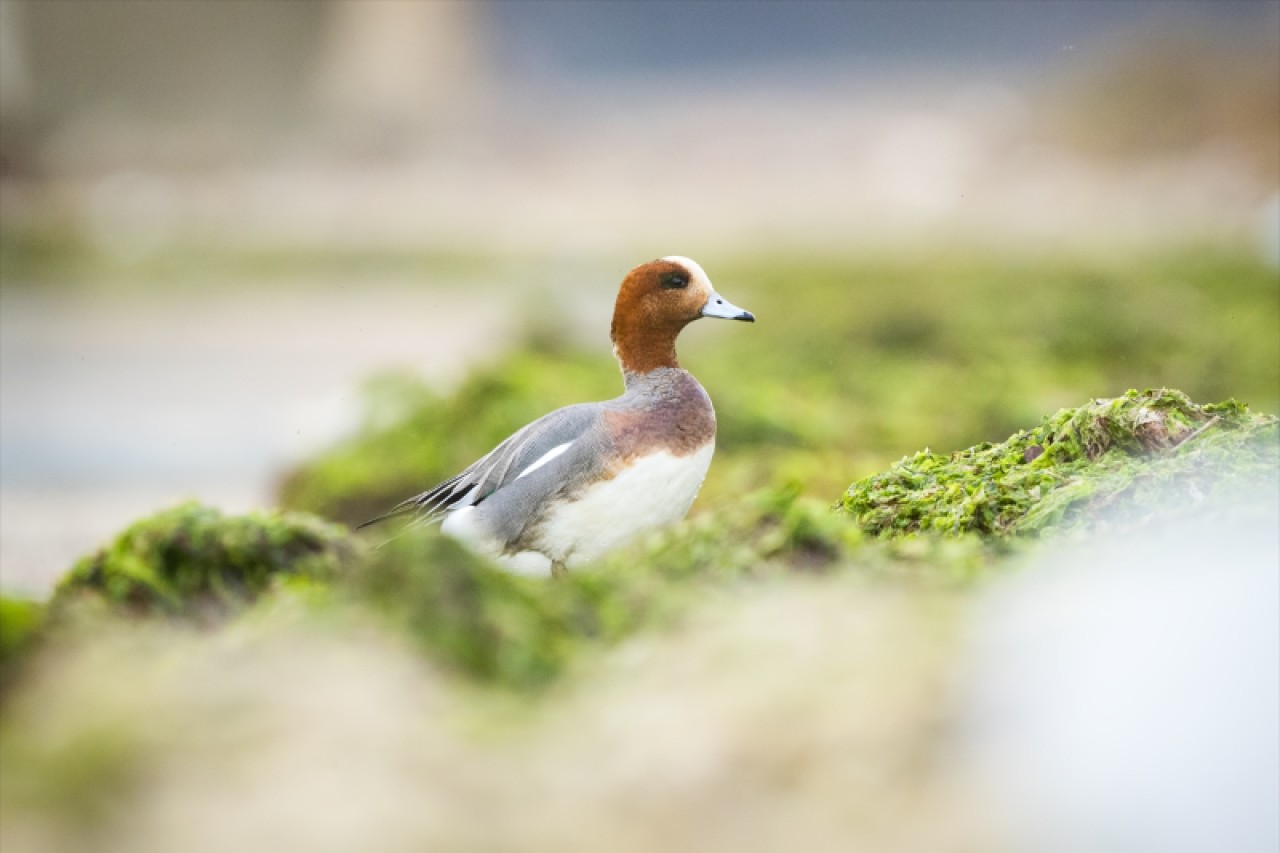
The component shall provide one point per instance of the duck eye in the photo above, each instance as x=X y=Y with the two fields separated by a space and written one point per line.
x=675 y=281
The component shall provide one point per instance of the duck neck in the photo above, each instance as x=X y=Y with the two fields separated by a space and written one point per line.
x=657 y=387
x=642 y=350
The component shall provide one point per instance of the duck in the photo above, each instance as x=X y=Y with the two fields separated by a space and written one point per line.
x=586 y=479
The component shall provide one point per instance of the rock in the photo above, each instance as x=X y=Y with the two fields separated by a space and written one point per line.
x=195 y=562
x=1111 y=453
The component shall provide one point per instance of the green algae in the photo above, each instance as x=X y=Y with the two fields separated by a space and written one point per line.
x=867 y=357
x=495 y=628
x=194 y=561
x=465 y=614
x=852 y=361
x=502 y=629
x=471 y=618
x=1127 y=456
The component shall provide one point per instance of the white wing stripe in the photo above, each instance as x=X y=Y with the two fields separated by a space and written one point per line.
x=545 y=458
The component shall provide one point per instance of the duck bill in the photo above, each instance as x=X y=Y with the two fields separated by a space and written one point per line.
x=718 y=306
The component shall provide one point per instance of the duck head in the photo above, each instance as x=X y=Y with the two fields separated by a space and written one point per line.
x=656 y=301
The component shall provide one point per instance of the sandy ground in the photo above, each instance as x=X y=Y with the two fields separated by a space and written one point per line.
x=114 y=405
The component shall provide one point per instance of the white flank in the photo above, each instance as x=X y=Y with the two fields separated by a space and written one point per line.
x=545 y=458
x=463 y=525
x=655 y=491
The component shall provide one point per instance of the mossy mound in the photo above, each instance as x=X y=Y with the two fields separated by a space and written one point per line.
x=194 y=561
x=519 y=632
x=466 y=614
x=1131 y=452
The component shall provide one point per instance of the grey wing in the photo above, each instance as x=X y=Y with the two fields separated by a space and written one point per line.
x=501 y=466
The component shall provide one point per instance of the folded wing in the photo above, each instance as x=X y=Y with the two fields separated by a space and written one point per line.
x=532 y=448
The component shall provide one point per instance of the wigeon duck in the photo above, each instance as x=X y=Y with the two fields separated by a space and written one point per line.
x=590 y=477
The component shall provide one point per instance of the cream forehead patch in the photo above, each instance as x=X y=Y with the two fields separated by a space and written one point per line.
x=692 y=266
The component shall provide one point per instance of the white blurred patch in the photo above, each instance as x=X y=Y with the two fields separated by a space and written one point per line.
x=1126 y=695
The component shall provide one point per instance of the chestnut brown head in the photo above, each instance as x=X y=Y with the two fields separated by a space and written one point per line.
x=655 y=302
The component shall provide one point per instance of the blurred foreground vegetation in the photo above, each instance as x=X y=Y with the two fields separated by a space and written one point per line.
x=801 y=651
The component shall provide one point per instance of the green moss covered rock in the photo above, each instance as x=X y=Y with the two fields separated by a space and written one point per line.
x=1128 y=455
x=517 y=632
x=194 y=561
x=521 y=632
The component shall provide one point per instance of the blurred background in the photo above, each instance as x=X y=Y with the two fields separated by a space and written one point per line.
x=218 y=218
x=316 y=255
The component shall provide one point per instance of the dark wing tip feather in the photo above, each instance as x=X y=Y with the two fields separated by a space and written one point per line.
x=383 y=517
x=426 y=504
x=492 y=472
